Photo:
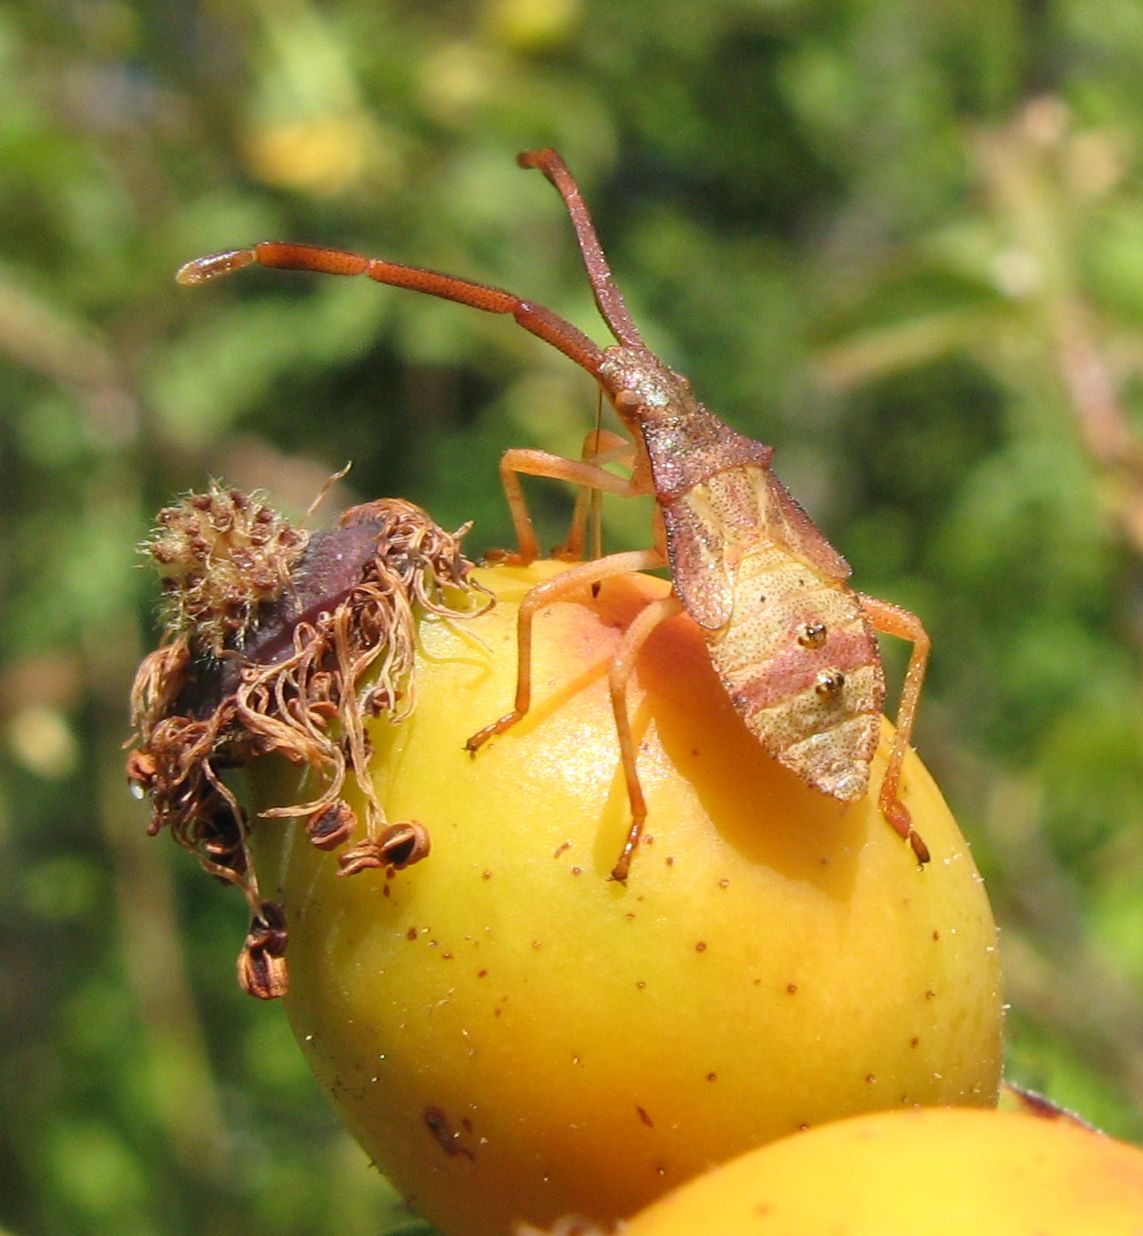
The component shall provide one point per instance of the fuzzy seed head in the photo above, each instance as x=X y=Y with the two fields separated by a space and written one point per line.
x=220 y=556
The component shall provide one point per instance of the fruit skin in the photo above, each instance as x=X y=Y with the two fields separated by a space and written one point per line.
x=511 y=1035
x=940 y=1171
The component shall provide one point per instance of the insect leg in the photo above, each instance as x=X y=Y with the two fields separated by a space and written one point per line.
x=560 y=586
x=524 y=461
x=600 y=447
x=892 y=620
x=621 y=666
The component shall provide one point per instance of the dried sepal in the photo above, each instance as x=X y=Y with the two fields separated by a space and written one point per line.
x=295 y=669
x=1016 y=1098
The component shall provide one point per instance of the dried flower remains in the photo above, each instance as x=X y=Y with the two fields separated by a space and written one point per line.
x=279 y=640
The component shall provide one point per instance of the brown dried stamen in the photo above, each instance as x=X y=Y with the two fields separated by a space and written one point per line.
x=332 y=826
x=220 y=555
x=262 y=970
x=399 y=846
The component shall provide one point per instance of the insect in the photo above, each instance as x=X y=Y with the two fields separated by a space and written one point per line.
x=793 y=643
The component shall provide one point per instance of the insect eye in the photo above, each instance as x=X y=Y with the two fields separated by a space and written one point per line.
x=812 y=634
x=829 y=683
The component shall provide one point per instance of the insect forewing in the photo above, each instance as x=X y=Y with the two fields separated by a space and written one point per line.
x=788 y=638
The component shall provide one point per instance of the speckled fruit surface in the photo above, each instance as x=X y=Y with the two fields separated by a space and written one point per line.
x=511 y=1035
x=943 y=1172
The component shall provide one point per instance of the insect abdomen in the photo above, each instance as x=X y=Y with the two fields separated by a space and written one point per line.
x=800 y=663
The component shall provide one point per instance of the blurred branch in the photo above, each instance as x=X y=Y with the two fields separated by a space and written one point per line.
x=879 y=351
x=1042 y=178
x=40 y=337
x=1028 y=170
x=1102 y=420
x=1052 y=972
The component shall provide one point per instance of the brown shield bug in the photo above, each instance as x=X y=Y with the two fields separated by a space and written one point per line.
x=792 y=642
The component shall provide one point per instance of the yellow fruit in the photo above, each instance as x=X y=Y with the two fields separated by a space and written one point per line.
x=511 y=1035
x=936 y=1171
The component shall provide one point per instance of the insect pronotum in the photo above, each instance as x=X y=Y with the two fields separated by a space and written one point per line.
x=794 y=645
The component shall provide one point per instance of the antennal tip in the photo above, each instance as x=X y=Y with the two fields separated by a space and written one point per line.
x=203 y=269
x=542 y=158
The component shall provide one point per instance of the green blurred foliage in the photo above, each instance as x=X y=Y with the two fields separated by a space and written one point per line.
x=901 y=242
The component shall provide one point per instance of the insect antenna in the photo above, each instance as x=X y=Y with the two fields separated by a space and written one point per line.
x=280 y=255
x=608 y=298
